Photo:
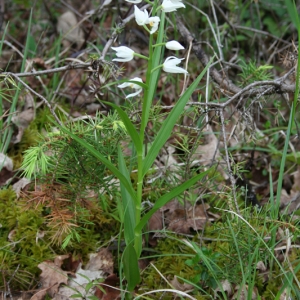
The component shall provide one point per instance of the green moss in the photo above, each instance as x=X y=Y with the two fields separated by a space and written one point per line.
x=171 y=262
x=20 y=249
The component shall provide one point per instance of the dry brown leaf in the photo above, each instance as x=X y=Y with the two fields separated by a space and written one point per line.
x=226 y=287
x=209 y=153
x=183 y=287
x=182 y=220
x=103 y=260
x=108 y=286
x=261 y=266
x=155 y=222
x=169 y=161
x=25 y=117
x=19 y=185
x=6 y=169
x=262 y=271
x=244 y=293
x=52 y=277
x=67 y=24
x=78 y=284
x=99 y=263
x=6 y=162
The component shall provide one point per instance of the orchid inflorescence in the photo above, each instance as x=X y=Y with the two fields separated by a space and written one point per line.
x=125 y=54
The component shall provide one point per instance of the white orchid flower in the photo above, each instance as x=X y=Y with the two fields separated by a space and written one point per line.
x=170 y=65
x=174 y=45
x=141 y=17
x=133 y=86
x=153 y=22
x=171 y=5
x=125 y=53
x=134 y=1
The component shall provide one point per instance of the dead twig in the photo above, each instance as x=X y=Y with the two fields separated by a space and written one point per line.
x=226 y=86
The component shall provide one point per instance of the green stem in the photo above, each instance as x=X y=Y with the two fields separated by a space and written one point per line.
x=158 y=67
x=141 y=56
x=148 y=98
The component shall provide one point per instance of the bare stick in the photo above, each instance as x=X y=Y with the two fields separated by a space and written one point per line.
x=226 y=86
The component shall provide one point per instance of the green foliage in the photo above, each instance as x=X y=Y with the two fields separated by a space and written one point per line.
x=171 y=262
x=251 y=73
x=58 y=158
x=204 y=275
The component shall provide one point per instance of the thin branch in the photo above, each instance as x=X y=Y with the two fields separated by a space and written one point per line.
x=225 y=84
x=267 y=87
x=37 y=94
x=51 y=71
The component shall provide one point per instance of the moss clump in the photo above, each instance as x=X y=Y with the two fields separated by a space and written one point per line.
x=20 y=250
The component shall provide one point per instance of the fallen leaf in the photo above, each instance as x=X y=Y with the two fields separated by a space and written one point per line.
x=23 y=118
x=110 y=292
x=155 y=224
x=183 y=287
x=103 y=260
x=78 y=285
x=52 y=277
x=243 y=293
x=6 y=162
x=209 y=153
x=68 y=26
x=185 y=220
x=226 y=287
x=6 y=169
x=19 y=185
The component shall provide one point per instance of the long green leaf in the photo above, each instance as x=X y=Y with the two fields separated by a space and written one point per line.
x=130 y=128
x=167 y=197
x=127 y=202
x=168 y=125
x=131 y=267
x=292 y=10
x=105 y=161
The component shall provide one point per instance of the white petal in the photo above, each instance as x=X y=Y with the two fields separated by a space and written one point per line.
x=134 y=94
x=134 y=1
x=174 y=45
x=137 y=79
x=123 y=85
x=153 y=22
x=133 y=86
x=170 y=65
x=169 y=6
x=141 y=18
x=124 y=53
